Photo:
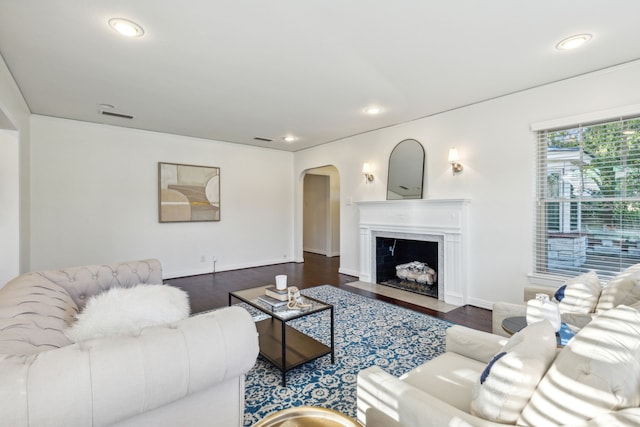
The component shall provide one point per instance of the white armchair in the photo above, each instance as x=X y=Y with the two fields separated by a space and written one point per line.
x=593 y=382
x=435 y=392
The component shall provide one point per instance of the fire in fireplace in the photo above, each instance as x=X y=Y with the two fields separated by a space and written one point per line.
x=407 y=264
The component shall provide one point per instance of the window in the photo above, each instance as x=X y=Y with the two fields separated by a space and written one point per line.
x=588 y=191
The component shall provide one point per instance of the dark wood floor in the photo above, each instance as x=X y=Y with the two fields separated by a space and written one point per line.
x=209 y=291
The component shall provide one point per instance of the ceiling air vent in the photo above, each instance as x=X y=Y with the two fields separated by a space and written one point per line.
x=257 y=138
x=119 y=115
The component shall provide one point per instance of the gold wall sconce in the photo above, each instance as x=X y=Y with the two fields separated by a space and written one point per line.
x=454 y=159
x=366 y=170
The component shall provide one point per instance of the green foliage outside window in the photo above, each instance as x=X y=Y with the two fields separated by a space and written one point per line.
x=589 y=197
x=614 y=151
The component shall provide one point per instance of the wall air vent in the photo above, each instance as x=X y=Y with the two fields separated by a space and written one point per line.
x=119 y=115
x=257 y=138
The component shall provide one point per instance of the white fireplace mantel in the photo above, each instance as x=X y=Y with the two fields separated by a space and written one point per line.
x=444 y=220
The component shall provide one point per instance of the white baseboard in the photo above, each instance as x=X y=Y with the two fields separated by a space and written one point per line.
x=321 y=252
x=349 y=272
x=223 y=267
x=228 y=267
x=481 y=303
x=315 y=251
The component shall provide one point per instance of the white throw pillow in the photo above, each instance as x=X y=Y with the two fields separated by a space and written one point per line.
x=579 y=294
x=624 y=289
x=511 y=377
x=597 y=372
x=126 y=311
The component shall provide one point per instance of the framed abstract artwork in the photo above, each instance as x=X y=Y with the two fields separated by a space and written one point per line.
x=188 y=193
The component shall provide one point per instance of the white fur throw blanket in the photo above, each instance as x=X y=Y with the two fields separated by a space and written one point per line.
x=126 y=311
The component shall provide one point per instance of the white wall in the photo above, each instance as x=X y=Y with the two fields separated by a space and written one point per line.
x=15 y=168
x=496 y=148
x=9 y=206
x=334 y=208
x=94 y=200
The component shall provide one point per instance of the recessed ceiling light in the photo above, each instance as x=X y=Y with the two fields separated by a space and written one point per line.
x=289 y=138
x=573 y=42
x=373 y=110
x=126 y=28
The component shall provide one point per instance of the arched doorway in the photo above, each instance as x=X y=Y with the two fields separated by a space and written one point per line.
x=321 y=211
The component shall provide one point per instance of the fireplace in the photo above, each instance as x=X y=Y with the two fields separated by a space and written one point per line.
x=443 y=223
x=408 y=264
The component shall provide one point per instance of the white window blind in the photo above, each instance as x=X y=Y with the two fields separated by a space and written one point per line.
x=588 y=192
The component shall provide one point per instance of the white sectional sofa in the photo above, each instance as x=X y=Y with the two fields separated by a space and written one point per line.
x=187 y=373
x=583 y=298
x=487 y=380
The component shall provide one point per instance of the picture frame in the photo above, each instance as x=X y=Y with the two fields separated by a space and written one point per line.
x=188 y=193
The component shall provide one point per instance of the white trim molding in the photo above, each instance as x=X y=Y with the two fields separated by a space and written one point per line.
x=587 y=118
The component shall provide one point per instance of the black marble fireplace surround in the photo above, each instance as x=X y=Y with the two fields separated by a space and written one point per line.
x=391 y=252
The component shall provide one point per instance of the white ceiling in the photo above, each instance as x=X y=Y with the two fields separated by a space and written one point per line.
x=238 y=69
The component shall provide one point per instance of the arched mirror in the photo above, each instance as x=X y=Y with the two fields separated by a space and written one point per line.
x=406 y=169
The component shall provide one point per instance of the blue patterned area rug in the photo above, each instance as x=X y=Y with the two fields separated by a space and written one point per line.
x=367 y=332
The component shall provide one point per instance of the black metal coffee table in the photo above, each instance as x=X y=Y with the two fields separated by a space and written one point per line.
x=283 y=346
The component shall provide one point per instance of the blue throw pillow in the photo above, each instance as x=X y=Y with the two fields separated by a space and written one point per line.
x=487 y=370
x=559 y=295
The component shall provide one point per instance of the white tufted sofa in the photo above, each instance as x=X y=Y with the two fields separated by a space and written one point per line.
x=188 y=374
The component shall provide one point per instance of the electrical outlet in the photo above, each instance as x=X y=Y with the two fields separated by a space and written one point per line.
x=215 y=258
x=203 y=258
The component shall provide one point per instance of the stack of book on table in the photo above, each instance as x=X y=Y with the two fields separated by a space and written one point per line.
x=274 y=298
x=279 y=294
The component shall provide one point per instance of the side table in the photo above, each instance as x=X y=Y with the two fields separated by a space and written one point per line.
x=514 y=324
